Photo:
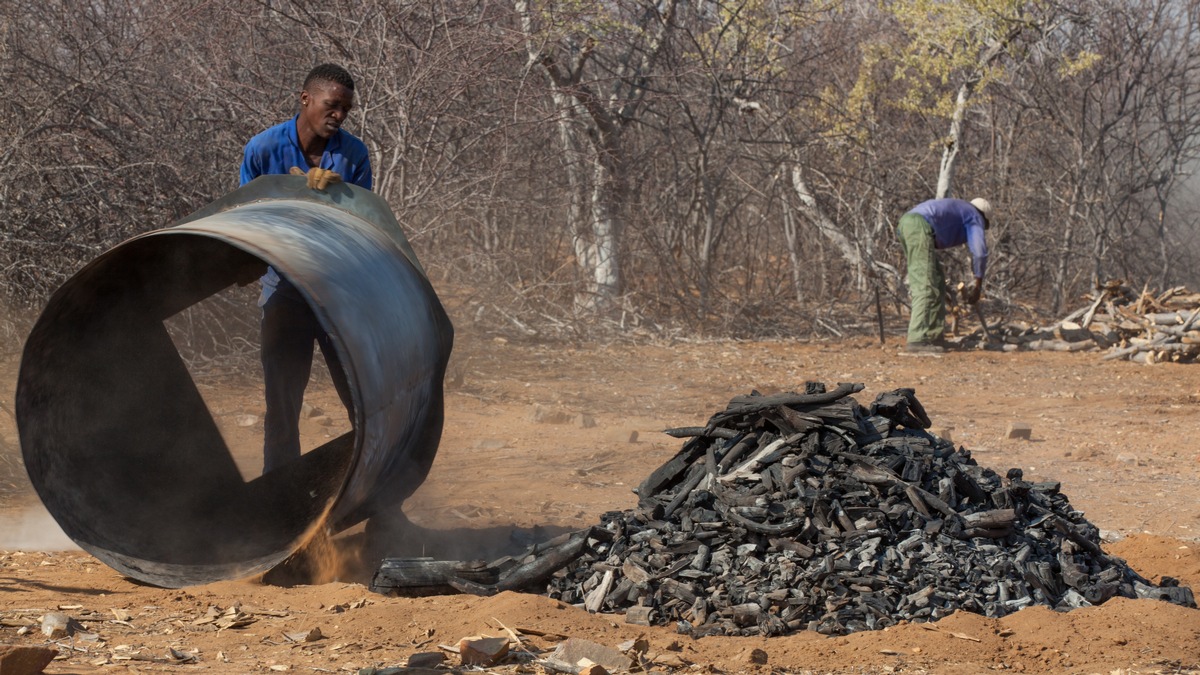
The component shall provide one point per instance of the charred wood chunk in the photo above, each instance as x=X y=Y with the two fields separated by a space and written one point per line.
x=793 y=421
x=671 y=472
x=736 y=452
x=994 y=519
x=969 y=488
x=640 y=616
x=426 y=576
x=684 y=592
x=707 y=432
x=902 y=408
x=874 y=428
x=1179 y=595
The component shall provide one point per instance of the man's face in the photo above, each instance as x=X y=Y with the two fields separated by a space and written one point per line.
x=324 y=106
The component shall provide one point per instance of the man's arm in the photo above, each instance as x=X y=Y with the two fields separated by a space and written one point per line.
x=365 y=180
x=251 y=167
x=977 y=243
x=356 y=162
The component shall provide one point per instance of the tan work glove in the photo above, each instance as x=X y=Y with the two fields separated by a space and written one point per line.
x=318 y=178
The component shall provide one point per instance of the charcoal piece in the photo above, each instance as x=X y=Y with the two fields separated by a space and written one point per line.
x=736 y=452
x=902 y=408
x=688 y=432
x=684 y=592
x=748 y=405
x=666 y=474
x=969 y=487
x=1179 y=595
x=640 y=616
x=694 y=477
x=793 y=421
x=620 y=593
x=874 y=428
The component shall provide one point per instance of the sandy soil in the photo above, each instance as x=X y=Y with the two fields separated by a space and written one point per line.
x=1120 y=438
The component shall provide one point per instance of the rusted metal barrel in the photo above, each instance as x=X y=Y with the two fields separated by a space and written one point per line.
x=121 y=447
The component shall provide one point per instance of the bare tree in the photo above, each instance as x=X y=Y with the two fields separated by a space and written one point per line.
x=598 y=107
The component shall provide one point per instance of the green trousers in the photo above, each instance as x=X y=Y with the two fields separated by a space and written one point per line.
x=926 y=282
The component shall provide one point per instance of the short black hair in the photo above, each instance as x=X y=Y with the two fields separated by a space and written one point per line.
x=329 y=72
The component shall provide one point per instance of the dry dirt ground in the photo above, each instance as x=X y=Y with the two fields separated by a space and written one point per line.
x=1120 y=437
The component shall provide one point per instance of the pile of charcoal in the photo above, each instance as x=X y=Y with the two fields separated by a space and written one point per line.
x=806 y=511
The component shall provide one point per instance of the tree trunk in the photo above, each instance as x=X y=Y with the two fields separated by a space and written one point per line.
x=824 y=224
x=863 y=264
x=1068 y=240
x=953 y=141
x=790 y=234
x=606 y=233
x=582 y=242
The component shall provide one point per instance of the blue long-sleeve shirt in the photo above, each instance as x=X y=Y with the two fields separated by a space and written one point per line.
x=277 y=149
x=956 y=222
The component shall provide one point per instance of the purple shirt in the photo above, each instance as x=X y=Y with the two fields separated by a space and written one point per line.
x=955 y=222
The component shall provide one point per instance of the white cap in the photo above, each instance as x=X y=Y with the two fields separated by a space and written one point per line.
x=984 y=207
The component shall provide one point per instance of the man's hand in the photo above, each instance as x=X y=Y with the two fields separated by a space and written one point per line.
x=318 y=178
x=976 y=291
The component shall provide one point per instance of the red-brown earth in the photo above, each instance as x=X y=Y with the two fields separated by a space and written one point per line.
x=1120 y=437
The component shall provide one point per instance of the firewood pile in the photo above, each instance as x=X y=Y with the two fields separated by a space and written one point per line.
x=1144 y=327
x=807 y=511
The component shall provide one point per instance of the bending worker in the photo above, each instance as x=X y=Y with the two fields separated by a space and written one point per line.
x=313 y=144
x=932 y=225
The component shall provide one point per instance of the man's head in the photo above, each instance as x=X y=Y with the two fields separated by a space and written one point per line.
x=984 y=207
x=326 y=99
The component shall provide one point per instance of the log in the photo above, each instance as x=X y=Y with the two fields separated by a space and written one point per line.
x=640 y=616
x=991 y=520
x=1060 y=345
x=1090 y=314
x=548 y=562
x=414 y=577
x=595 y=599
x=1168 y=318
x=1069 y=331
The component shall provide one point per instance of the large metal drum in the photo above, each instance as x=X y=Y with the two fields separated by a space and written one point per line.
x=121 y=447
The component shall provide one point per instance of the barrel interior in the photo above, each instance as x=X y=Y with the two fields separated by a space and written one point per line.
x=121 y=446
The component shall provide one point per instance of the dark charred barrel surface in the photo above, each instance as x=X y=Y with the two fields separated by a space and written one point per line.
x=122 y=448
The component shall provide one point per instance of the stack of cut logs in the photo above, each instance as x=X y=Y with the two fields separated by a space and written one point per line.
x=1146 y=327
x=807 y=511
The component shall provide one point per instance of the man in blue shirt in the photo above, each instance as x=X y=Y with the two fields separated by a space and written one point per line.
x=313 y=144
x=932 y=225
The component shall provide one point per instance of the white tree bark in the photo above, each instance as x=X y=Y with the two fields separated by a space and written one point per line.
x=945 y=183
x=860 y=258
x=606 y=267
x=790 y=233
x=950 y=152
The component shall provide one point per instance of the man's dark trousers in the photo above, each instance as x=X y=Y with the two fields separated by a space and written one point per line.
x=289 y=329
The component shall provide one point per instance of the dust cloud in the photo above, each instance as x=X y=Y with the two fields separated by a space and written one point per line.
x=33 y=530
